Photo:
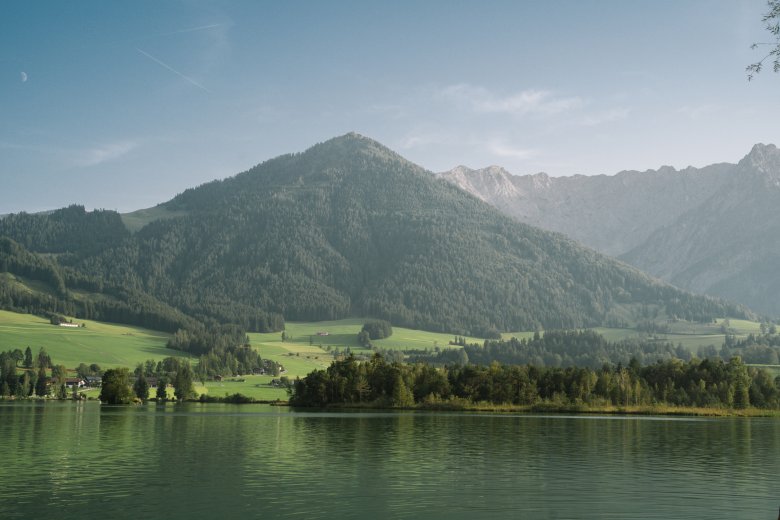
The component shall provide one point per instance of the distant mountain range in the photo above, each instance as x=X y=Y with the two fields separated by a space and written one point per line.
x=711 y=230
x=346 y=228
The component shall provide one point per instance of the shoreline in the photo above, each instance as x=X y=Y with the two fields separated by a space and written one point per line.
x=539 y=408
x=544 y=408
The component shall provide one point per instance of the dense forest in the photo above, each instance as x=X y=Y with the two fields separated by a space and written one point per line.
x=19 y=268
x=700 y=383
x=577 y=348
x=69 y=232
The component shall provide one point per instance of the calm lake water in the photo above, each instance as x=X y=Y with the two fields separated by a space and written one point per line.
x=70 y=460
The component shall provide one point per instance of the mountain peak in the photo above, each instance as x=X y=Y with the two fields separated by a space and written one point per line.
x=764 y=158
x=353 y=139
x=353 y=144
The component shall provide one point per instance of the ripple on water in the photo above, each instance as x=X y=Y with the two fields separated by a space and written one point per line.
x=250 y=462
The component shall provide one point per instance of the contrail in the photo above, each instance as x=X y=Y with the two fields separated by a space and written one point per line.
x=189 y=79
x=193 y=29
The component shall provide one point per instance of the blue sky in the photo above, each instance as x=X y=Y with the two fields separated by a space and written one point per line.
x=121 y=105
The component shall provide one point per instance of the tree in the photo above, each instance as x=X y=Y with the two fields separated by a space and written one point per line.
x=17 y=355
x=740 y=378
x=41 y=383
x=772 y=21
x=162 y=389
x=59 y=373
x=43 y=358
x=402 y=396
x=28 y=358
x=378 y=329
x=182 y=382
x=116 y=386
x=83 y=370
x=33 y=382
x=141 y=387
x=10 y=381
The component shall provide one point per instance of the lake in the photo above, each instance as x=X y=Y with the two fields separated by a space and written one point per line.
x=82 y=460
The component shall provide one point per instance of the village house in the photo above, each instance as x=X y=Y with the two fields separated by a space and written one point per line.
x=93 y=381
x=74 y=382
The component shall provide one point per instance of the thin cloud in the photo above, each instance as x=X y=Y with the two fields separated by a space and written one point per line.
x=503 y=150
x=527 y=102
x=163 y=64
x=422 y=139
x=105 y=153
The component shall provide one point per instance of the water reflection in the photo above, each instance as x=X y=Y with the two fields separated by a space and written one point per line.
x=227 y=461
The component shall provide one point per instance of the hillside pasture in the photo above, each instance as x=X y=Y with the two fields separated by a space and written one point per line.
x=106 y=344
x=311 y=345
x=256 y=387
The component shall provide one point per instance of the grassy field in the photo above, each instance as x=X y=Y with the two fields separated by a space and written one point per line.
x=304 y=350
x=256 y=387
x=106 y=344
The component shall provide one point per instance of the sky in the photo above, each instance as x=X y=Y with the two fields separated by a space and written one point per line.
x=122 y=105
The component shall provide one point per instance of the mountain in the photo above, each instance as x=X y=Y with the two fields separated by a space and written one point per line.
x=728 y=245
x=706 y=230
x=612 y=214
x=350 y=228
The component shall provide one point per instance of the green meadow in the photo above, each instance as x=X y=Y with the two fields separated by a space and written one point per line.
x=106 y=344
x=256 y=387
x=311 y=346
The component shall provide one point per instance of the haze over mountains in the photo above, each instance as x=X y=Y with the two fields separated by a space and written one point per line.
x=346 y=228
x=711 y=230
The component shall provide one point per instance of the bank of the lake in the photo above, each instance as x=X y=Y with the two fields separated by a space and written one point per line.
x=459 y=406
x=190 y=460
x=554 y=408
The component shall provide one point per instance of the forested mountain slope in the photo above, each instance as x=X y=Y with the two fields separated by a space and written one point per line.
x=67 y=231
x=36 y=284
x=708 y=230
x=351 y=228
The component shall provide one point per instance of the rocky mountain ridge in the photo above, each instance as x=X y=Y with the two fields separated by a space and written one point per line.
x=708 y=229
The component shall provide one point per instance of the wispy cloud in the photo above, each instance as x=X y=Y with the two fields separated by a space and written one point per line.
x=421 y=139
x=502 y=149
x=66 y=157
x=105 y=153
x=165 y=65
x=526 y=102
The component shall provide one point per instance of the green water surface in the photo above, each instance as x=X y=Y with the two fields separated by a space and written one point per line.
x=84 y=460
